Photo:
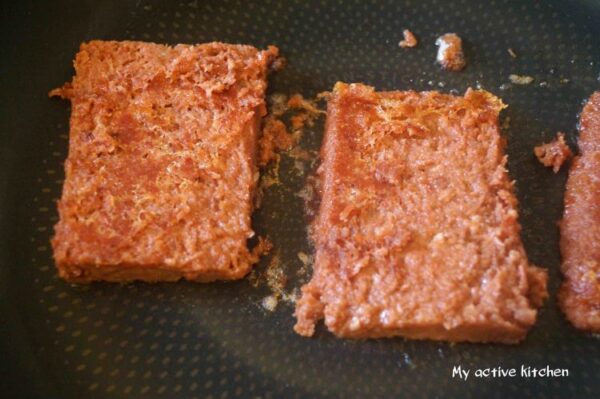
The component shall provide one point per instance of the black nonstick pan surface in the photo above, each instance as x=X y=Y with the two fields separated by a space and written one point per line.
x=216 y=340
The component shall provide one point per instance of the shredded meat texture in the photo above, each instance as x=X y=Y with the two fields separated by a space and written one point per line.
x=579 y=295
x=300 y=119
x=296 y=101
x=162 y=162
x=553 y=154
x=275 y=138
x=306 y=111
x=450 y=52
x=417 y=232
x=409 y=39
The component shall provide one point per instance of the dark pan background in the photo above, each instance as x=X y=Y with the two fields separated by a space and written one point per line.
x=214 y=340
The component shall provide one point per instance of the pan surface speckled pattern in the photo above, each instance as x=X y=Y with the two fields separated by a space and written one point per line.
x=215 y=340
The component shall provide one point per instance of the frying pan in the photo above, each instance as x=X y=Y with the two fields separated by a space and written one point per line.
x=215 y=340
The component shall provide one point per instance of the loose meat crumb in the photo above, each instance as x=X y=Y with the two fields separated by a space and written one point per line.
x=270 y=303
x=278 y=64
x=307 y=113
x=296 y=101
x=269 y=178
x=512 y=53
x=277 y=104
x=553 y=154
x=263 y=247
x=520 y=79
x=307 y=261
x=409 y=39
x=304 y=258
x=450 y=52
x=65 y=92
x=275 y=279
x=325 y=95
x=302 y=154
x=309 y=194
x=278 y=137
x=275 y=137
x=300 y=119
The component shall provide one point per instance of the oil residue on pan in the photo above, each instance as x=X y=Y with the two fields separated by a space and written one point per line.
x=216 y=340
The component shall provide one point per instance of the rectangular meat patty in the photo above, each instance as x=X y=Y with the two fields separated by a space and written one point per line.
x=417 y=232
x=161 y=166
x=580 y=228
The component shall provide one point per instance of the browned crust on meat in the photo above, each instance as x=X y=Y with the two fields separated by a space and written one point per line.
x=417 y=232
x=553 y=154
x=162 y=162
x=579 y=295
